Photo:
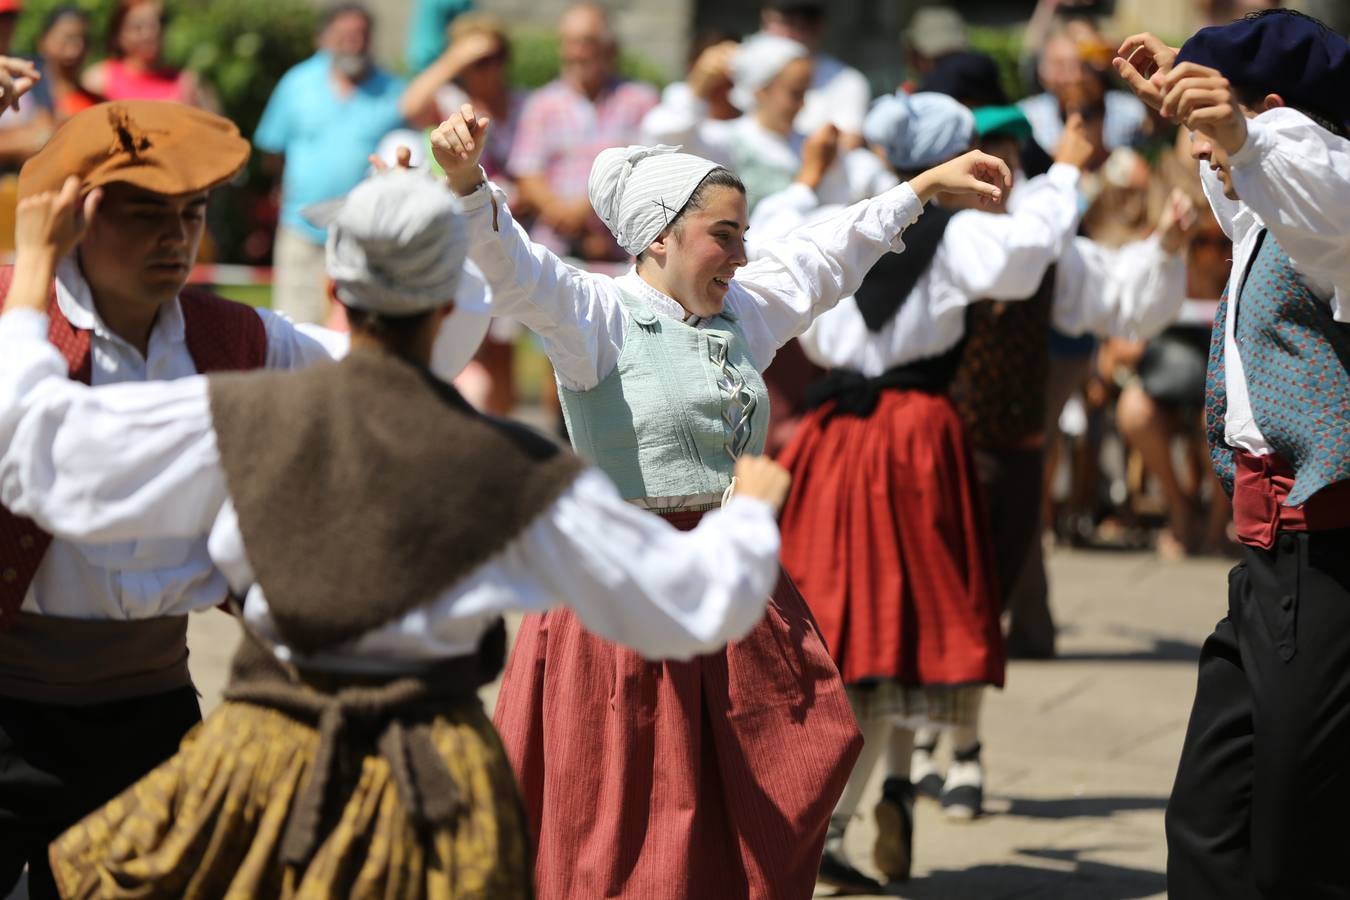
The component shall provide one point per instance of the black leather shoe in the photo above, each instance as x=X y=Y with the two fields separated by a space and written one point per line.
x=893 y=852
x=836 y=872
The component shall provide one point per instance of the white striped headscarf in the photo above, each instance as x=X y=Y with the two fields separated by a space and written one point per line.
x=638 y=191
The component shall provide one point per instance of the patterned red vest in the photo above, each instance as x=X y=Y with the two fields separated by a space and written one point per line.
x=221 y=336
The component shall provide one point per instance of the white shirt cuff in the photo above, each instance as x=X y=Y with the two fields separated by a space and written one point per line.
x=1065 y=176
x=1258 y=140
x=480 y=195
x=23 y=324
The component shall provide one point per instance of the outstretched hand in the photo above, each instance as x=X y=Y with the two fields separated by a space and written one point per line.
x=763 y=479
x=17 y=77
x=1177 y=222
x=975 y=172
x=1143 y=61
x=458 y=144
x=402 y=159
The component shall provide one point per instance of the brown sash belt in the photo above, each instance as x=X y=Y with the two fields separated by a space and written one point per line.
x=348 y=711
x=81 y=662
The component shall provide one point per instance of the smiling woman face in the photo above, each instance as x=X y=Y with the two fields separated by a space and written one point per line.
x=695 y=260
x=140 y=246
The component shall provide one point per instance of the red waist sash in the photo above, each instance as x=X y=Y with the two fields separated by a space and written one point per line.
x=1260 y=487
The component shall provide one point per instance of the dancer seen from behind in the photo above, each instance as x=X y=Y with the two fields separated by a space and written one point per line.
x=1262 y=783
x=886 y=529
x=94 y=682
x=351 y=757
x=713 y=778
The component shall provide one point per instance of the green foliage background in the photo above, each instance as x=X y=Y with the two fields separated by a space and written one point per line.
x=239 y=48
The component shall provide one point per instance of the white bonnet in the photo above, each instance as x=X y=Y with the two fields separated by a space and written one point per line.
x=638 y=191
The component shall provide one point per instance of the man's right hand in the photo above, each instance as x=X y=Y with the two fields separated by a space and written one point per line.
x=1075 y=148
x=763 y=479
x=47 y=226
x=1143 y=61
x=457 y=144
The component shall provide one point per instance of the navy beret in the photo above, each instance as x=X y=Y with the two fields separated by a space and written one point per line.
x=1283 y=53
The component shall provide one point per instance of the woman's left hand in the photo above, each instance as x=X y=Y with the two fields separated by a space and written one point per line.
x=975 y=172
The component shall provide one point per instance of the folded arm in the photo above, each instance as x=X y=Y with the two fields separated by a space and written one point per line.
x=1133 y=292
x=114 y=463
x=1004 y=257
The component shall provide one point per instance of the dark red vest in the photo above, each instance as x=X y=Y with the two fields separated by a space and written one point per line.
x=221 y=336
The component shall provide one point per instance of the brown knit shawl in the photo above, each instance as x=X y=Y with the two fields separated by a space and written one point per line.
x=367 y=487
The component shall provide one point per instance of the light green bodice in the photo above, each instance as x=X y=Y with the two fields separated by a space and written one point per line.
x=681 y=405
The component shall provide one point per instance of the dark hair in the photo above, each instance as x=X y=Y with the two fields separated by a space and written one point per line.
x=119 y=18
x=57 y=13
x=332 y=13
x=718 y=177
x=398 y=333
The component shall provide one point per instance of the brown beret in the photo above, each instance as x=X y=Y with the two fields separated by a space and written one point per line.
x=165 y=147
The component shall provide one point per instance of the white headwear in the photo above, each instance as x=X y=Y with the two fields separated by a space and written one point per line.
x=638 y=191
x=919 y=130
x=397 y=245
x=757 y=61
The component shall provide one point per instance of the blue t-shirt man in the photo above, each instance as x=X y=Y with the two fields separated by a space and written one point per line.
x=326 y=138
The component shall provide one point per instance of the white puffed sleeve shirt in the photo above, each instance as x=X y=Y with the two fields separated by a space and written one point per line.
x=1294 y=179
x=580 y=316
x=1134 y=291
x=134 y=464
x=145 y=575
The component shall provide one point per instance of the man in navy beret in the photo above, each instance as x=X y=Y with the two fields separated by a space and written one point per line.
x=1263 y=788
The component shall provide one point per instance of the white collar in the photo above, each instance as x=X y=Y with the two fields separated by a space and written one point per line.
x=661 y=303
x=76 y=302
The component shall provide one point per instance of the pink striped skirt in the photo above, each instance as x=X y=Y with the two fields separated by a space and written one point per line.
x=713 y=778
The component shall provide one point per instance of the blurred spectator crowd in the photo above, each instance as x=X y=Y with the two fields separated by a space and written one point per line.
x=1130 y=462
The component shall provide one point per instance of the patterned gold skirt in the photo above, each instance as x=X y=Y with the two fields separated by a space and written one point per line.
x=208 y=822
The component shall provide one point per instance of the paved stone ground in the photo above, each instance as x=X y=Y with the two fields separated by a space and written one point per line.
x=1080 y=751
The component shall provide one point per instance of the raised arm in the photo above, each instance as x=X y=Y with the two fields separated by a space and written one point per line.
x=578 y=314
x=1295 y=175
x=122 y=462
x=795 y=279
x=633 y=578
x=1132 y=292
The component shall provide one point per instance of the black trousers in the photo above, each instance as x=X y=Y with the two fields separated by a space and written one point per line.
x=59 y=763
x=1261 y=804
x=1012 y=488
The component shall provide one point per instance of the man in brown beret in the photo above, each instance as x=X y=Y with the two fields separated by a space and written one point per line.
x=89 y=704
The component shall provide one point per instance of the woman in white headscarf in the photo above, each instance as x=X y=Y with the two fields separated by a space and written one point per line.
x=713 y=778
x=886 y=531
x=770 y=76
x=376 y=528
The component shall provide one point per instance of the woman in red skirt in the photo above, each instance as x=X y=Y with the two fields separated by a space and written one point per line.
x=712 y=777
x=885 y=532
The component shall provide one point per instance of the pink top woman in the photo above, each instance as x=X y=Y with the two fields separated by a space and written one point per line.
x=133 y=70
